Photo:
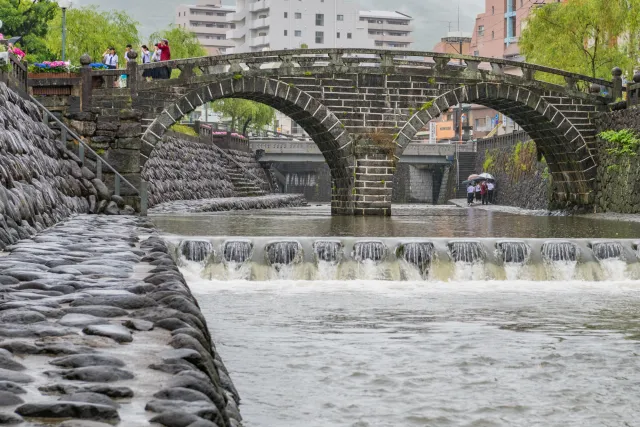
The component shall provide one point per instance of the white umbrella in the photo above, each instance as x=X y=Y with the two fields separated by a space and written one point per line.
x=487 y=176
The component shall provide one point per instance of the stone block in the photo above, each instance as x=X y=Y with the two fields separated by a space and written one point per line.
x=111 y=126
x=102 y=140
x=129 y=130
x=129 y=143
x=108 y=133
x=84 y=128
x=124 y=161
x=130 y=115
x=125 y=190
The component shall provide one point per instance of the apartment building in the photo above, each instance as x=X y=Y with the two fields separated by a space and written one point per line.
x=207 y=19
x=456 y=42
x=388 y=30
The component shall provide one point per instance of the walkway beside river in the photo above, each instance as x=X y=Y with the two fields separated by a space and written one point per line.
x=98 y=327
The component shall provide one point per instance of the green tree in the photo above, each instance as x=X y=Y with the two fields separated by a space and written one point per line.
x=91 y=30
x=582 y=36
x=183 y=43
x=243 y=113
x=28 y=19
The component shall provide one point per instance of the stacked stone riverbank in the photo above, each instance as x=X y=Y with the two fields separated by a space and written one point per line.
x=271 y=201
x=98 y=327
x=41 y=181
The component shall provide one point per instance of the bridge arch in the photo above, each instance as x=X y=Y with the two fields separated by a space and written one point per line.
x=550 y=119
x=317 y=120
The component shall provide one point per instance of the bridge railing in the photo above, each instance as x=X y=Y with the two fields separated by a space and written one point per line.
x=15 y=74
x=633 y=94
x=297 y=62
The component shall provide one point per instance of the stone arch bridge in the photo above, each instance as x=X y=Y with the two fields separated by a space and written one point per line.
x=363 y=107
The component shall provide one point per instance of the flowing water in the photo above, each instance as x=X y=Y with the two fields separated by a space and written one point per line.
x=537 y=325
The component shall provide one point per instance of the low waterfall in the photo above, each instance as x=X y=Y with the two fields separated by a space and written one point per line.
x=418 y=254
x=374 y=252
x=196 y=250
x=514 y=252
x=237 y=251
x=561 y=259
x=607 y=250
x=560 y=251
x=468 y=252
x=328 y=251
x=283 y=253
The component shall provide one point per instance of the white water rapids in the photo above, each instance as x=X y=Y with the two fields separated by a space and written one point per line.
x=415 y=353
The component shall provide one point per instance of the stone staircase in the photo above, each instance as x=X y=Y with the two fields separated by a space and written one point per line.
x=467 y=166
x=242 y=183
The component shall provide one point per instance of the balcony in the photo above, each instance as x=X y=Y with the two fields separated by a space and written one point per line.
x=392 y=39
x=236 y=34
x=390 y=27
x=259 y=41
x=260 y=23
x=203 y=29
x=260 y=5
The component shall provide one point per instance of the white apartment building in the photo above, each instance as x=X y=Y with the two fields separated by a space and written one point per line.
x=289 y=24
x=388 y=30
x=207 y=19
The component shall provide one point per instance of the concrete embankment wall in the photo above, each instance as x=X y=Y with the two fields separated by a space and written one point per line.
x=524 y=181
x=41 y=181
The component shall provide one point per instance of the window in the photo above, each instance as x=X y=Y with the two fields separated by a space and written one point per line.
x=285 y=32
x=286 y=14
x=493 y=10
x=340 y=18
x=348 y=35
x=379 y=43
x=338 y=35
x=521 y=3
x=492 y=35
x=298 y=15
x=319 y=19
x=480 y=30
x=298 y=33
x=319 y=37
x=476 y=53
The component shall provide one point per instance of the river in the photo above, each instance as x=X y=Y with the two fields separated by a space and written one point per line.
x=424 y=352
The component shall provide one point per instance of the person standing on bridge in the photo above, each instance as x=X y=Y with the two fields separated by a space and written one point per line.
x=484 y=193
x=490 y=187
x=471 y=190
x=111 y=58
x=478 y=197
x=165 y=55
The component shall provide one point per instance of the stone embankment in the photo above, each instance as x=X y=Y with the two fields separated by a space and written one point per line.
x=99 y=328
x=271 y=201
x=183 y=167
x=41 y=181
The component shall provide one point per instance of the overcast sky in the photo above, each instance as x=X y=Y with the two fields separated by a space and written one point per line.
x=431 y=16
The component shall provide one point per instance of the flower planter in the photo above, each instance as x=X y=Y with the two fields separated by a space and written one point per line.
x=53 y=75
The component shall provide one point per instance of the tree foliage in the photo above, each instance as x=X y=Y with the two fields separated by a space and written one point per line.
x=583 y=36
x=244 y=114
x=91 y=30
x=183 y=43
x=28 y=19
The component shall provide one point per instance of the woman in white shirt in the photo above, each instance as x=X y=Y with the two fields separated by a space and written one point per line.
x=111 y=59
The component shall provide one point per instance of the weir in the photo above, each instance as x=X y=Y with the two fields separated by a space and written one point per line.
x=425 y=259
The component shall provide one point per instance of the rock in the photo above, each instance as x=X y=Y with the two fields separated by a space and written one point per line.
x=83 y=423
x=19 y=347
x=204 y=410
x=98 y=310
x=128 y=210
x=74 y=319
x=7 y=363
x=10 y=419
x=15 y=377
x=180 y=393
x=175 y=419
x=11 y=387
x=111 y=209
x=89 y=397
x=97 y=374
x=8 y=280
x=118 y=200
x=84 y=360
x=115 y=332
x=87 y=174
x=103 y=191
x=138 y=325
x=203 y=423
x=80 y=410
x=111 y=391
x=9 y=399
x=171 y=324
x=121 y=301
x=21 y=317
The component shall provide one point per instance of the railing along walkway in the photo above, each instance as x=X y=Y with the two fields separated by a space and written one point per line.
x=142 y=192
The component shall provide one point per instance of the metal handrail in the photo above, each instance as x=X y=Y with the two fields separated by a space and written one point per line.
x=141 y=192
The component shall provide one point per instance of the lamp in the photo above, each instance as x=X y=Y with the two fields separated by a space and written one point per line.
x=64 y=5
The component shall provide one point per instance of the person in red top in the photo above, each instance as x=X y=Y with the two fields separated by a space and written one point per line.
x=165 y=53
x=484 y=192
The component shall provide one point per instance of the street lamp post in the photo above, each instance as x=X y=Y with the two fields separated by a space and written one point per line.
x=64 y=5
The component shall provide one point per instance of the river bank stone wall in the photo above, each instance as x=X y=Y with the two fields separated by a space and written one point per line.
x=521 y=179
x=98 y=327
x=186 y=169
x=41 y=181
x=618 y=176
